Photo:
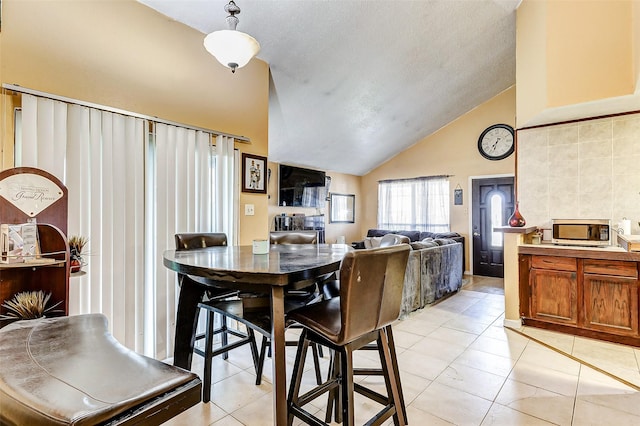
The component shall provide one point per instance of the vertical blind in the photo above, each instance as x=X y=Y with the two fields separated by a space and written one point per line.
x=130 y=191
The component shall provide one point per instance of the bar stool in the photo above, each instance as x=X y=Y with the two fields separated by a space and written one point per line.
x=72 y=371
x=294 y=299
x=370 y=296
x=192 y=241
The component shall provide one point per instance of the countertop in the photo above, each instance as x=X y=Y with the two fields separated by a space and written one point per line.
x=607 y=253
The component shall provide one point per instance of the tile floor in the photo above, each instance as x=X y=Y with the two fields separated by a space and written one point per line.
x=459 y=366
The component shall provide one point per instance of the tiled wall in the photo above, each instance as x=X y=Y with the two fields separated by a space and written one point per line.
x=587 y=169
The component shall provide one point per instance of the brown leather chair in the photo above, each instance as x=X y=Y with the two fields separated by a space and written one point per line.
x=293 y=237
x=196 y=240
x=71 y=371
x=369 y=302
x=293 y=298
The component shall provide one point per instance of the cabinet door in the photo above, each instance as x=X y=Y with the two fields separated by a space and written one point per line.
x=611 y=304
x=554 y=296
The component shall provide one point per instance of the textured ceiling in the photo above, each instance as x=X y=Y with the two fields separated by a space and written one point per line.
x=353 y=83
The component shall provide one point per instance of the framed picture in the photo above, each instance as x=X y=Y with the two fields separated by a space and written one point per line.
x=254 y=169
x=342 y=208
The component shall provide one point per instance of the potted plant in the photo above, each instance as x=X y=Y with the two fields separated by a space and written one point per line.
x=28 y=305
x=76 y=245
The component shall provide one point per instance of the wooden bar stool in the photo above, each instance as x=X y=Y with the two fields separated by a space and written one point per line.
x=371 y=283
x=198 y=240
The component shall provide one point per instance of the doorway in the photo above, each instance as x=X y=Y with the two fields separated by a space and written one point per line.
x=493 y=203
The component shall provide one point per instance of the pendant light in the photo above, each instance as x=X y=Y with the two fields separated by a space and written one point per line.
x=232 y=48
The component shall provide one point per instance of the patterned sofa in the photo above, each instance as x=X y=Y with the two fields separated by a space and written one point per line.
x=434 y=269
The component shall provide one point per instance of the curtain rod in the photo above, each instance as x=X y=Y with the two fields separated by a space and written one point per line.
x=20 y=89
x=415 y=178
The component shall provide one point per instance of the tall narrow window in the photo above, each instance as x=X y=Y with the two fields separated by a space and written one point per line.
x=497 y=208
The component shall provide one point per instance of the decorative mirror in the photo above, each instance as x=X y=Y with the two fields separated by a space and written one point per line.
x=342 y=208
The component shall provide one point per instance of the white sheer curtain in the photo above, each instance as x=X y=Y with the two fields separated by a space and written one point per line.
x=100 y=158
x=420 y=204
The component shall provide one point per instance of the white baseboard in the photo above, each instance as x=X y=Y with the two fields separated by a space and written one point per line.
x=517 y=324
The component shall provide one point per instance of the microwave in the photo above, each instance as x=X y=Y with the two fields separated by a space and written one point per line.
x=581 y=232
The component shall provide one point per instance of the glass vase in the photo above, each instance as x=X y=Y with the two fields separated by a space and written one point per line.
x=516 y=220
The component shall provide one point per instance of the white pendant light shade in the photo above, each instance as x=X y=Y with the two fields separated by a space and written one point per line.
x=233 y=49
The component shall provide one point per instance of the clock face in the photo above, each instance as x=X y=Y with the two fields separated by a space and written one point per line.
x=496 y=142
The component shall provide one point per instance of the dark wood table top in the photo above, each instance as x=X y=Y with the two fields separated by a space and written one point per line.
x=284 y=265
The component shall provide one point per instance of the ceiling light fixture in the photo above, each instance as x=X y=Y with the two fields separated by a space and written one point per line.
x=232 y=48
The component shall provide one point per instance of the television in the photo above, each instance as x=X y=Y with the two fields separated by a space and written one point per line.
x=300 y=187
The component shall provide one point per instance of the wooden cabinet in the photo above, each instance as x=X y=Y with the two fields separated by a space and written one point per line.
x=51 y=273
x=554 y=296
x=51 y=277
x=611 y=297
x=582 y=292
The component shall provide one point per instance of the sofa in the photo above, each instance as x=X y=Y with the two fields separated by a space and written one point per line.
x=434 y=269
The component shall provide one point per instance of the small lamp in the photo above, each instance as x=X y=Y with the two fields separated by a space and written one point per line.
x=232 y=48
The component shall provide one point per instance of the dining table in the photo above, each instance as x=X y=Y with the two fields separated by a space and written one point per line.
x=284 y=267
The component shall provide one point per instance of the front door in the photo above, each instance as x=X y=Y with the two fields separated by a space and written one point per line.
x=493 y=204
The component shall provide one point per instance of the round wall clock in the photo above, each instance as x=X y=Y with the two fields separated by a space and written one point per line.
x=496 y=142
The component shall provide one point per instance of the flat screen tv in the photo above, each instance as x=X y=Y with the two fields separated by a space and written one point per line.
x=299 y=187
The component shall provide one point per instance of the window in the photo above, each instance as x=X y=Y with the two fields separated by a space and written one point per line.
x=420 y=204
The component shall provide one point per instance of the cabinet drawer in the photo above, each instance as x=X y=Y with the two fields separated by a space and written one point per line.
x=555 y=263
x=611 y=267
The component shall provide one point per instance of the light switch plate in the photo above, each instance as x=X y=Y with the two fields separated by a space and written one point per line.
x=249 y=210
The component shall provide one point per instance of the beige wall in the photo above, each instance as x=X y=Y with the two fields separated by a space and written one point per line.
x=591 y=42
x=531 y=60
x=452 y=150
x=574 y=52
x=340 y=184
x=125 y=55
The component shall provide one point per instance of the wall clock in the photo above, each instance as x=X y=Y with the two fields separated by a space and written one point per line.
x=496 y=142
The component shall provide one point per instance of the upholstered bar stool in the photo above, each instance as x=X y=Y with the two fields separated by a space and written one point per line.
x=192 y=241
x=294 y=298
x=71 y=371
x=371 y=283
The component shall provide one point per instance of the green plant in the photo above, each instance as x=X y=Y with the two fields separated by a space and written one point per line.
x=76 y=244
x=28 y=305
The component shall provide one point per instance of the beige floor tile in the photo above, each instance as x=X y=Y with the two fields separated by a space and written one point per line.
x=237 y=391
x=198 y=415
x=543 y=357
x=419 y=417
x=458 y=365
x=452 y=405
x=469 y=325
x=536 y=402
x=405 y=339
x=471 y=380
x=421 y=365
x=485 y=361
x=600 y=411
x=548 y=379
x=500 y=415
x=256 y=413
x=511 y=348
x=444 y=351
x=592 y=382
x=561 y=341
x=456 y=337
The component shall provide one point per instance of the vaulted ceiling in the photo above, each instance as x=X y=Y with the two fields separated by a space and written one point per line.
x=354 y=82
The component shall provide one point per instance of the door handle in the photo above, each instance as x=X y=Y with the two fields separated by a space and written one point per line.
x=476 y=234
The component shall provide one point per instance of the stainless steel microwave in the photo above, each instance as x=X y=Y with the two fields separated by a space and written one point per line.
x=581 y=232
